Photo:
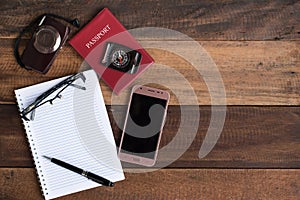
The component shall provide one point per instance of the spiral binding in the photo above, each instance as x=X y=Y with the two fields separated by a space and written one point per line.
x=33 y=150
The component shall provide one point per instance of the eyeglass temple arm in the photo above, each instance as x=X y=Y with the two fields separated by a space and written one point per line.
x=68 y=81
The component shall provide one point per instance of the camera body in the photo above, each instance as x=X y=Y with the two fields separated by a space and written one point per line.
x=44 y=44
x=121 y=58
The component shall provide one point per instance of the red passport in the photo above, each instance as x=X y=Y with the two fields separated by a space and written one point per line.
x=111 y=51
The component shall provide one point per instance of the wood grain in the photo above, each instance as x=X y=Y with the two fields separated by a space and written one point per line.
x=201 y=20
x=255 y=45
x=20 y=183
x=253 y=73
x=252 y=137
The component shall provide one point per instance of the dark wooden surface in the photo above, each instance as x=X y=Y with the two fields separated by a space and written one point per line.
x=172 y=184
x=204 y=20
x=252 y=138
x=253 y=72
x=255 y=45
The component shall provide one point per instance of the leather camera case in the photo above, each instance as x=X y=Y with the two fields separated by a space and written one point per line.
x=33 y=58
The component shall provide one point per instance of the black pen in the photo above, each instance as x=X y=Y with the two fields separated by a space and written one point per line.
x=82 y=172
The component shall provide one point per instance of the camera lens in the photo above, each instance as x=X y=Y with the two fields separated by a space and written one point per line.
x=47 y=39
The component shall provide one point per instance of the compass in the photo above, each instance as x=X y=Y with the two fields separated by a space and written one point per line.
x=119 y=58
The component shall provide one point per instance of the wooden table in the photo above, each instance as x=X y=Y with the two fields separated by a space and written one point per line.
x=255 y=45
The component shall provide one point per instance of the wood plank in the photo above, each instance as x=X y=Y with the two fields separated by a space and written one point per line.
x=252 y=137
x=254 y=73
x=18 y=183
x=201 y=20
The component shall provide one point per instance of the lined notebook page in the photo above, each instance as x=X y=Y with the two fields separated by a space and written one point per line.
x=74 y=129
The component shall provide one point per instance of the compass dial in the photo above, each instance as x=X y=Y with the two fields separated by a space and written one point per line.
x=119 y=58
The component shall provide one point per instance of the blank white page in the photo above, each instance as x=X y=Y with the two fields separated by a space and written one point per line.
x=75 y=129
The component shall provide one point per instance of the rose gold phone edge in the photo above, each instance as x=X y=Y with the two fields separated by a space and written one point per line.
x=138 y=159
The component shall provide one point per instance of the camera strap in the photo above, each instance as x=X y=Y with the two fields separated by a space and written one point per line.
x=33 y=24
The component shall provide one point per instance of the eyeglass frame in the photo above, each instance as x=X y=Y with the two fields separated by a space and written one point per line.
x=38 y=101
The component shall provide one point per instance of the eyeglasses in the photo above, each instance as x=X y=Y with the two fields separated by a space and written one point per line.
x=41 y=100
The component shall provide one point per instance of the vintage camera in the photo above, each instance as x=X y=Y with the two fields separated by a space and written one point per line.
x=48 y=38
x=121 y=58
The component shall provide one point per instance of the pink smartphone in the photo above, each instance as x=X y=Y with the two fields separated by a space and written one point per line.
x=143 y=125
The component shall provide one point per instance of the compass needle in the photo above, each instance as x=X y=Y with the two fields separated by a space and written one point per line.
x=119 y=58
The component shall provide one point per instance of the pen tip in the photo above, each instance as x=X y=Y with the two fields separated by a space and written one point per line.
x=47 y=157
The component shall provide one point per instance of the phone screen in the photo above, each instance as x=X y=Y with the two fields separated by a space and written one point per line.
x=143 y=125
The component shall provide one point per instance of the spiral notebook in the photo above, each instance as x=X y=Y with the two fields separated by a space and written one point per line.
x=75 y=129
